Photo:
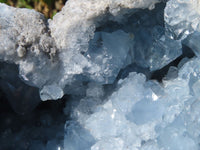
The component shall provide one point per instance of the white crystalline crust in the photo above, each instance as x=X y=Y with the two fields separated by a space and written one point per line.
x=78 y=18
x=51 y=54
x=25 y=41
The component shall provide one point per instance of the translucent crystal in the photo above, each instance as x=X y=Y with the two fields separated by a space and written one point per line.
x=172 y=73
x=155 y=50
x=108 y=52
x=164 y=51
x=173 y=138
x=182 y=17
x=192 y=41
x=196 y=88
x=148 y=110
x=77 y=137
x=51 y=92
x=117 y=144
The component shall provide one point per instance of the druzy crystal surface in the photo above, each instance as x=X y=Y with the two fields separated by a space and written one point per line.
x=129 y=70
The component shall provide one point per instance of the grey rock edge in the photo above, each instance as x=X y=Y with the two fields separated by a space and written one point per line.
x=49 y=52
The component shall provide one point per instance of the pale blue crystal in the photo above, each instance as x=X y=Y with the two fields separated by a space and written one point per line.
x=192 y=41
x=155 y=50
x=182 y=17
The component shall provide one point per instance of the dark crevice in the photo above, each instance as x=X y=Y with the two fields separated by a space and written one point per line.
x=43 y=124
x=24 y=119
x=161 y=73
x=158 y=74
x=140 y=17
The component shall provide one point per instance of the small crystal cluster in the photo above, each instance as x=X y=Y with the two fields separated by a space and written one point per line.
x=105 y=55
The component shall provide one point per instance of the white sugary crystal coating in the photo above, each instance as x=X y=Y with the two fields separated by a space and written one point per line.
x=84 y=16
x=25 y=41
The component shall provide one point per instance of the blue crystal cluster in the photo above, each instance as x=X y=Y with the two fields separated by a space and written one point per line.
x=143 y=114
x=130 y=76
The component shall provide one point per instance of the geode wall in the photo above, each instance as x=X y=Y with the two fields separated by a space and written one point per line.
x=49 y=53
x=130 y=68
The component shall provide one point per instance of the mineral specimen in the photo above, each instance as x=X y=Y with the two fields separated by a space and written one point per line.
x=104 y=56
